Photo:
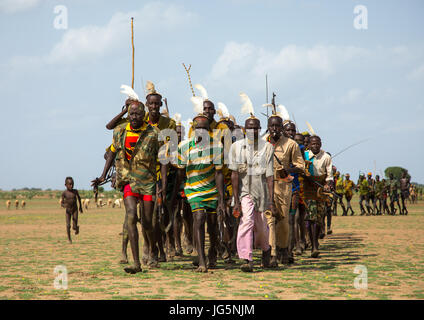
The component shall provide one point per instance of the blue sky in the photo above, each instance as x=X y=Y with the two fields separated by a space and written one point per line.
x=60 y=87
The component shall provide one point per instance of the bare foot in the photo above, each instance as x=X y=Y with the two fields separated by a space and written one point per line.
x=315 y=254
x=189 y=249
x=247 y=266
x=201 y=269
x=132 y=269
x=162 y=257
x=153 y=263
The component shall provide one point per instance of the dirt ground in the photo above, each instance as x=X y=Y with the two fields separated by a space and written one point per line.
x=33 y=242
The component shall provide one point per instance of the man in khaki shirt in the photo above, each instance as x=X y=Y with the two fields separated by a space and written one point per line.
x=287 y=159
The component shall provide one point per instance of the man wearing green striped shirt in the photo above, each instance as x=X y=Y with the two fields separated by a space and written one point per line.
x=204 y=187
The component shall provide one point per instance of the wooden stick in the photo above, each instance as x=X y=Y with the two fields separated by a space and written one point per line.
x=133 y=51
x=189 y=78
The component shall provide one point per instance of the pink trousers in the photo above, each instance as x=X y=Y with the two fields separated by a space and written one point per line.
x=253 y=226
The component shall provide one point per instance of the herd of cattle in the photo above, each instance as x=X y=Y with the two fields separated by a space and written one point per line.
x=114 y=203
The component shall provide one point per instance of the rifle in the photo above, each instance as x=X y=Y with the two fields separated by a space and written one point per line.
x=108 y=178
x=160 y=208
x=166 y=105
x=320 y=191
x=273 y=102
x=347 y=148
x=221 y=227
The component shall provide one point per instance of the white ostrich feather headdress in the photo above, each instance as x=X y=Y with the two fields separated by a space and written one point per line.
x=129 y=92
x=177 y=118
x=150 y=89
x=203 y=92
x=311 y=130
x=222 y=111
x=247 y=105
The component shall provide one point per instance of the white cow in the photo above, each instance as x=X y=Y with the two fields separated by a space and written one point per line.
x=117 y=203
x=99 y=203
x=86 y=203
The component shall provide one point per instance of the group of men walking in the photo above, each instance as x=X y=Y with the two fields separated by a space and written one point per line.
x=376 y=197
x=270 y=192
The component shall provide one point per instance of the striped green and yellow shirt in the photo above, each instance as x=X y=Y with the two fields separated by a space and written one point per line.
x=200 y=161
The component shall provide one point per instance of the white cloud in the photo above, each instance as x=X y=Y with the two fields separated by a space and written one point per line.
x=12 y=6
x=417 y=73
x=351 y=96
x=247 y=58
x=91 y=42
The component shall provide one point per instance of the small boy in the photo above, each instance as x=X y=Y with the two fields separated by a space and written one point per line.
x=69 y=201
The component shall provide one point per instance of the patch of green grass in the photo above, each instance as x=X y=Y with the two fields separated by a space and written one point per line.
x=155 y=297
x=122 y=298
x=26 y=296
x=87 y=290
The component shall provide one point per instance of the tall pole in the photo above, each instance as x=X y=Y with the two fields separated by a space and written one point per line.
x=266 y=85
x=375 y=168
x=133 y=51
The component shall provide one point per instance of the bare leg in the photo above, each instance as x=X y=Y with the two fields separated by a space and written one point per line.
x=297 y=233
x=292 y=214
x=68 y=226
x=158 y=247
x=146 y=244
x=342 y=205
x=302 y=226
x=213 y=238
x=313 y=231
x=169 y=236
x=199 y=219
x=177 y=229
x=132 y=218
x=125 y=239
x=361 y=200
x=75 y=221
x=329 y=217
x=150 y=232
x=188 y=226
x=399 y=206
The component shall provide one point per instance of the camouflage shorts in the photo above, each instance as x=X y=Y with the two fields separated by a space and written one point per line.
x=316 y=211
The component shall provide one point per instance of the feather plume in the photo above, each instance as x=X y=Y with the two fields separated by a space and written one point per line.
x=198 y=104
x=165 y=113
x=129 y=92
x=150 y=87
x=283 y=112
x=231 y=117
x=202 y=90
x=177 y=118
x=247 y=107
x=222 y=110
x=310 y=128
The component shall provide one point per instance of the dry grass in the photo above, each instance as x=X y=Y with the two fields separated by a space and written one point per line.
x=33 y=242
